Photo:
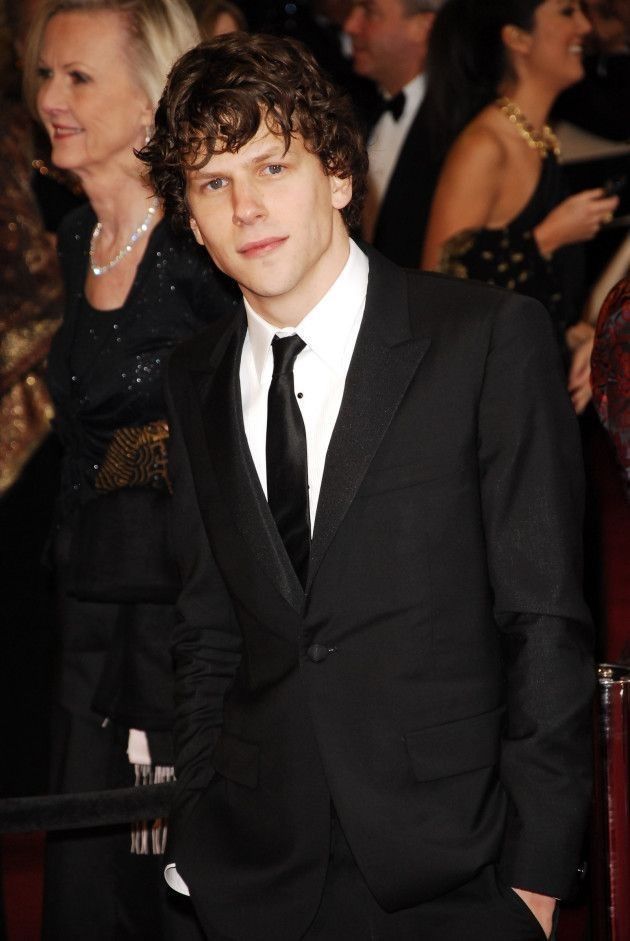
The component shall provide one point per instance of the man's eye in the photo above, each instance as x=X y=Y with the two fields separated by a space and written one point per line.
x=274 y=169
x=215 y=184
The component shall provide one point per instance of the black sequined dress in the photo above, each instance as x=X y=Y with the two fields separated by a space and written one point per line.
x=116 y=583
x=509 y=257
x=105 y=376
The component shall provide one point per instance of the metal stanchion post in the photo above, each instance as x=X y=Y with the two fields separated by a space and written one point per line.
x=611 y=852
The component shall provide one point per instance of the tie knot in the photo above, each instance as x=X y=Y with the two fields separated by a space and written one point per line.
x=285 y=351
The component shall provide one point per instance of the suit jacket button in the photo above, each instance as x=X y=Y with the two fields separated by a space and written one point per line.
x=317 y=653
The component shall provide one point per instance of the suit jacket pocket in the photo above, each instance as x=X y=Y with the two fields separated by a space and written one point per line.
x=236 y=760
x=452 y=748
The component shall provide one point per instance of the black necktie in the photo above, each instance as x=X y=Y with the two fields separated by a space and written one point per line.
x=396 y=105
x=287 y=471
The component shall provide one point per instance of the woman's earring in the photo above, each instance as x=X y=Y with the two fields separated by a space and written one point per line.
x=148 y=133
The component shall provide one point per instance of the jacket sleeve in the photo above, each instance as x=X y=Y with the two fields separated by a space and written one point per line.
x=532 y=492
x=206 y=639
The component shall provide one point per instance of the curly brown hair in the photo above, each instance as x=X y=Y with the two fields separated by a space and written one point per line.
x=218 y=93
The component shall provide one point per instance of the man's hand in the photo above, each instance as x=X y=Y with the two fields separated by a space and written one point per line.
x=542 y=906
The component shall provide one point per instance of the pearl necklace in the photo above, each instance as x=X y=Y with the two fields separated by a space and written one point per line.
x=544 y=142
x=137 y=234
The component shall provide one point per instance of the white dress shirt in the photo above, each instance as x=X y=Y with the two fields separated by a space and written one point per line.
x=330 y=331
x=384 y=147
x=319 y=373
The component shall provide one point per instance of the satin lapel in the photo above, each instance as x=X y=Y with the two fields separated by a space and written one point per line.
x=236 y=474
x=384 y=362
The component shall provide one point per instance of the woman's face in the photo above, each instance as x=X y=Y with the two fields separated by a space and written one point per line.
x=224 y=24
x=554 y=46
x=93 y=111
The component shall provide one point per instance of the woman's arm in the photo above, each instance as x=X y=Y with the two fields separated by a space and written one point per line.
x=467 y=190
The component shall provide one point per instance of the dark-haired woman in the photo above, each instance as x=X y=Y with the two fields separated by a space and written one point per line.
x=501 y=213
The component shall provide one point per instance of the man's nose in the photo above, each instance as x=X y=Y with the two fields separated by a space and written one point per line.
x=247 y=203
x=353 y=21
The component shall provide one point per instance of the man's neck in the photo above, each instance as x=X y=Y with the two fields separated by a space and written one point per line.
x=395 y=85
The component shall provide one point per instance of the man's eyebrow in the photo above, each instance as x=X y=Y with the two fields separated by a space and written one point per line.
x=201 y=173
x=275 y=152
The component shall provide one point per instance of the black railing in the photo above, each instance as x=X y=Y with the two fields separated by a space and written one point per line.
x=90 y=809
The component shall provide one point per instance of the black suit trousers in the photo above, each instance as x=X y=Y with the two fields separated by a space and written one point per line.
x=481 y=910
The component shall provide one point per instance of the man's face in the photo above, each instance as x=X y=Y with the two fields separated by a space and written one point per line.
x=271 y=220
x=388 y=45
x=609 y=32
x=622 y=10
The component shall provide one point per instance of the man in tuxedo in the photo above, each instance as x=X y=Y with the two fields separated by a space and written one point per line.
x=390 y=40
x=383 y=667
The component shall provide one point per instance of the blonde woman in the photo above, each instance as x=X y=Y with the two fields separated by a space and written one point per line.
x=94 y=73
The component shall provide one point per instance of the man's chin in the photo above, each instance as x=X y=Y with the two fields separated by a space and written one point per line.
x=361 y=65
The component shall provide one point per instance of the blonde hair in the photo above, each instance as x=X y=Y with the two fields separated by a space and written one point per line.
x=160 y=31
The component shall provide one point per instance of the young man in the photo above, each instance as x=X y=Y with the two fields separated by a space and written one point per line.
x=383 y=669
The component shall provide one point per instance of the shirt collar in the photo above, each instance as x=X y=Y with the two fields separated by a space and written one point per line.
x=414 y=93
x=328 y=327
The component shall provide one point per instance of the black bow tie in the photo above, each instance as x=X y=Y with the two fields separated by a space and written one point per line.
x=396 y=105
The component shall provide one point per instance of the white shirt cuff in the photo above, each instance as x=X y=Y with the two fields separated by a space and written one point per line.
x=174 y=880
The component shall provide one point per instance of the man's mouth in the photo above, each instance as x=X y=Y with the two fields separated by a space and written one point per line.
x=262 y=246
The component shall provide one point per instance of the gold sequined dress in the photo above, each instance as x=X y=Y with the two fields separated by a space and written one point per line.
x=31 y=300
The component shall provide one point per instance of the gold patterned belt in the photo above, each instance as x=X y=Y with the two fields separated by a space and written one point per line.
x=136 y=457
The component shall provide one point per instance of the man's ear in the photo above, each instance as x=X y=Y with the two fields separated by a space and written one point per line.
x=195 y=231
x=422 y=24
x=340 y=191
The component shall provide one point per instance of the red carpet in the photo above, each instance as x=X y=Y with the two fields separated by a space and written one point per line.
x=23 y=856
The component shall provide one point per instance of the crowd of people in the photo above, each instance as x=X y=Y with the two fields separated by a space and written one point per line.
x=436 y=149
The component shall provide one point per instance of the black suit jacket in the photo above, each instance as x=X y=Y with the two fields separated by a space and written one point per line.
x=404 y=211
x=434 y=679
